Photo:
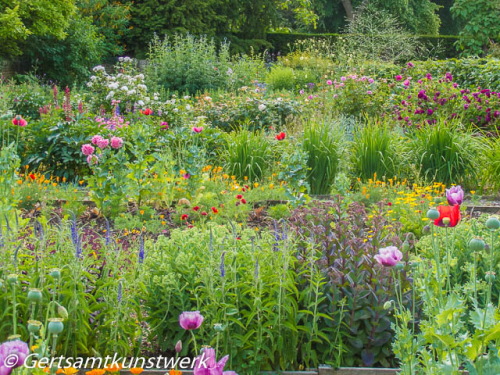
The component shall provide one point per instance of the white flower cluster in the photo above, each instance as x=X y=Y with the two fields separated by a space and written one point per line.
x=126 y=86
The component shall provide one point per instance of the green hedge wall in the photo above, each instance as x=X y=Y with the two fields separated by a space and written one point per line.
x=283 y=42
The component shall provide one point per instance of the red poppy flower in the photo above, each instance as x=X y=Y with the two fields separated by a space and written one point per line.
x=246 y=186
x=204 y=213
x=196 y=208
x=215 y=210
x=32 y=176
x=281 y=136
x=452 y=213
x=389 y=204
x=244 y=201
x=184 y=217
x=147 y=112
x=239 y=196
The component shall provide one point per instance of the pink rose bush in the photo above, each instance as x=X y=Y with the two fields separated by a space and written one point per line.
x=102 y=143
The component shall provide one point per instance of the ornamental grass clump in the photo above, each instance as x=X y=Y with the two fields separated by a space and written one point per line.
x=323 y=147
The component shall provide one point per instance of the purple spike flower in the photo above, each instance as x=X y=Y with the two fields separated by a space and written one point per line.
x=120 y=292
x=222 y=266
x=141 y=250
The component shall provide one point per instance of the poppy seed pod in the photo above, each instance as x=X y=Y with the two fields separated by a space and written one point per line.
x=476 y=244
x=399 y=266
x=433 y=214
x=492 y=223
x=490 y=277
x=56 y=326
x=12 y=278
x=55 y=273
x=35 y=295
x=34 y=326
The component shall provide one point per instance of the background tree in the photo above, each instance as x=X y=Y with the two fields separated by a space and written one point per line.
x=111 y=19
x=481 y=23
x=20 y=18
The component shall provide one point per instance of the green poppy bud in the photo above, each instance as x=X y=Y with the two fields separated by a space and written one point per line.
x=433 y=214
x=405 y=247
x=63 y=313
x=35 y=295
x=13 y=337
x=476 y=244
x=34 y=326
x=492 y=223
x=399 y=266
x=387 y=305
x=56 y=326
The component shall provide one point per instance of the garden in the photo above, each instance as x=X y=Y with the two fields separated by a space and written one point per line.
x=216 y=211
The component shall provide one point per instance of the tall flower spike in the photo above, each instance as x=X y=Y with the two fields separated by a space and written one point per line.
x=222 y=265
x=108 y=235
x=120 y=292
x=141 y=250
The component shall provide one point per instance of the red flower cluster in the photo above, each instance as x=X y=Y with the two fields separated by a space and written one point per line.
x=147 y=112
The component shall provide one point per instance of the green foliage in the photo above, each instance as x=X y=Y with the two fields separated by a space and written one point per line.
x=247 y=154
x=272 y=310
x=480 y=18
x=67 y=61
x=443 y=153
x=322 y=145
x=375 y=150
x=284 y=42
x=280 y=78
x=111 y=19
x=20 y=19
x=187 y=64
x=358 y=288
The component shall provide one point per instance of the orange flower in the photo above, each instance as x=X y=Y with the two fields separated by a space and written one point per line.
x=174 y=372
x=136 y=370
x=69 y=371
x=113 y=368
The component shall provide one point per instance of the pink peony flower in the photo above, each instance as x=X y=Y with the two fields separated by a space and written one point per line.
x=92 y=159
x=96 y=139
x=389 y=256
x=398 y=78
x=190 y=320
x=116 y=142
x=102 y=143
x=87 y=149
x=329 y=82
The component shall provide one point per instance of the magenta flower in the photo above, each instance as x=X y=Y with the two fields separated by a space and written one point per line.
x=197 y=129
x=389 y=256
x=102 y=143
x=342 y=79
x=186 y=176
x=398 y=78
x=406 y=82
x=329 y=82
x=92 y=158
x=12 y=355
x=206 y=364
x=164 y=125
x=87 y=149
x=96 y=139
x=370 y=80
x=190 y=320
x=116 y=142
x=455 y=195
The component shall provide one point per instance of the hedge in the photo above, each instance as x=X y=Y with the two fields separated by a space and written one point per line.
x=283 y=42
